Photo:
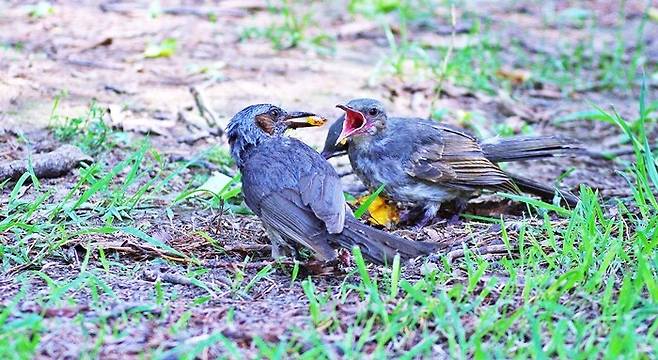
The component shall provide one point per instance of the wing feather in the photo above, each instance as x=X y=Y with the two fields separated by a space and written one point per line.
x=285 y=212
x=452 y=158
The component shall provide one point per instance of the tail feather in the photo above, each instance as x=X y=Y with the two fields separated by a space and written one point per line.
x=545 y=192
x=379 y=246
x=530 y=147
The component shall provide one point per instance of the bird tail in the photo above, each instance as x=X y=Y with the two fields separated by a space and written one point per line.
x=379 y=246
x=530 y=147
x=546 y=193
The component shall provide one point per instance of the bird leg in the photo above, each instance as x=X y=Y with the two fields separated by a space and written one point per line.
x=410 y=215
x=460 y=206
x=428 y=215
x=280 y=247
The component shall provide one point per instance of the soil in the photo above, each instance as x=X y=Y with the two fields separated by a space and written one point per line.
x=93 y=50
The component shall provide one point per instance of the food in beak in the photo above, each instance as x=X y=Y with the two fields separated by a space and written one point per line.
x=300 y=119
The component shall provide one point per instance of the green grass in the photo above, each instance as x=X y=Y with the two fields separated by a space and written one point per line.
x=475 y=65
x=583 y=287
x=293 y=29
x=575 y=283
x=104 y=197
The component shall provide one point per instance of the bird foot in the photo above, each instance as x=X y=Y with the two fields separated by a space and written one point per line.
x=426 y=220
x=454 y=220
x=409 y=216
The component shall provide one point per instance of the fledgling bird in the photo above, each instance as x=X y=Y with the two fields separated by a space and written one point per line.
x=424 y=163
x=297 y=194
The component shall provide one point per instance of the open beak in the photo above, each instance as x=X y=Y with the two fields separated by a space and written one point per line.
x=354 y=121
x=298 y=119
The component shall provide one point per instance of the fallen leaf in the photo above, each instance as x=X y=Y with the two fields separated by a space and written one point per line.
x=380 y=211
x=129 y=121
x=516 y=76
x=166 y=48
x=216 y=183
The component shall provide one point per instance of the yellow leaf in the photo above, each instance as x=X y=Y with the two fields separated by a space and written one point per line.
x=653 y=14
x=381 y=212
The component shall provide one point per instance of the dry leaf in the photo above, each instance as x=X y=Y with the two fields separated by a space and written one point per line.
x=516 y=76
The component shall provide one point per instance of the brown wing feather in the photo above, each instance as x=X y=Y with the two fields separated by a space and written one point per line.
x=457 y=161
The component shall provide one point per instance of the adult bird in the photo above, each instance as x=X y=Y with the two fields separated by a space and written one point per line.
x=297 y=194
x=424 y=163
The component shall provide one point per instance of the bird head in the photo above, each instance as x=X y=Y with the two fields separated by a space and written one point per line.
x=257 y=123
x=362 y=117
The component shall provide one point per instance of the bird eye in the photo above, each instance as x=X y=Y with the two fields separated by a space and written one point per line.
x=373 y=111
x=275 y=113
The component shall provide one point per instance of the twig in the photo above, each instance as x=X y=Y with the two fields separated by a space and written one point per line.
x=205 y=111
x=90 y=63
x=249 y=265
x=203 y=13
x=121 y=309
x=117 y=89
x=226 y=9
x=313 y=267
x=67 y=312
x=609 y=155
x=257 y=248
x=217 y=219
x=444 y=66
x=172 y=278
x=483 y=250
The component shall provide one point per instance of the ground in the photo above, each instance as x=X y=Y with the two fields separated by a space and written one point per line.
x=122 y=258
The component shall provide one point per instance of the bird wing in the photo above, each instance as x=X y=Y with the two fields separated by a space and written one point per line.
x=323 y=193
x=285 y=212
x=292 y=188
x=450 y=157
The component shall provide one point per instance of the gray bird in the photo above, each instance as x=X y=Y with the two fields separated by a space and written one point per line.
x=424 y=163
x=297 y=194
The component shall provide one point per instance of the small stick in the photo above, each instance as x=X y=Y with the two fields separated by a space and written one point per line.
x=484 y=250
x=609 y=155
x=265 y=248
x=173 y=278
x=249 y=265
x=205 y=111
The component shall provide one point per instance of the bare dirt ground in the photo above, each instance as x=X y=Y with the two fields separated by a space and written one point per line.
x=93 y=50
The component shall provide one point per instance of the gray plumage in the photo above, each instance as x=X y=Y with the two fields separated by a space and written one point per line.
x=425 y=163
x=298 y=195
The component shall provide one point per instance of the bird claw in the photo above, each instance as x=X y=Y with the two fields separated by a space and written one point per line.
x=426 y=220
x=454 y=220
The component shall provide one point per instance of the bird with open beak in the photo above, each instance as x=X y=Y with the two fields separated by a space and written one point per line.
x=424 y=163
x=297 y=194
